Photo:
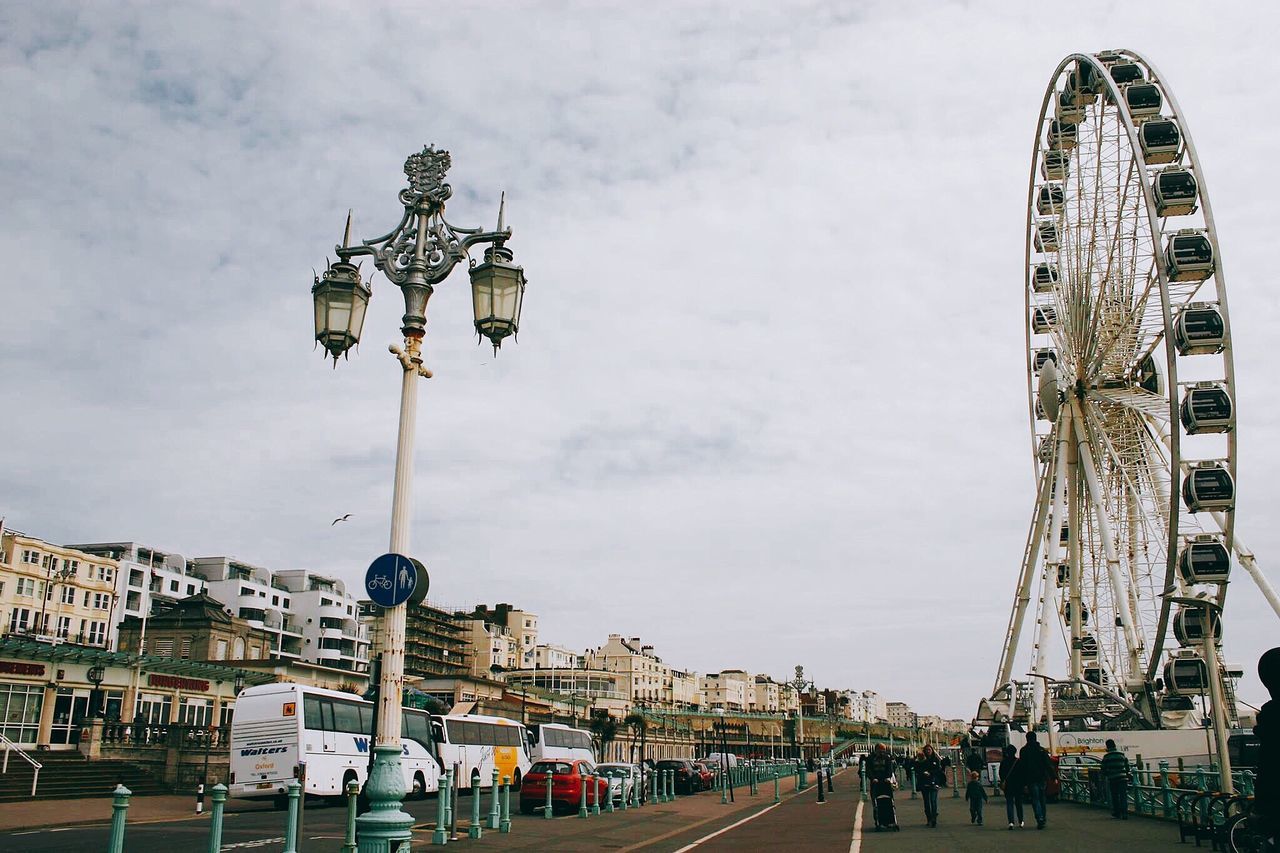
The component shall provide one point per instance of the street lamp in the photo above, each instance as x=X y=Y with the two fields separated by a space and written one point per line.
x=416 y=255
x=1212 y=617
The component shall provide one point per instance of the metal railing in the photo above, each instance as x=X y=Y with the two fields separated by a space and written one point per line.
x=10 y=746
x=166 y=734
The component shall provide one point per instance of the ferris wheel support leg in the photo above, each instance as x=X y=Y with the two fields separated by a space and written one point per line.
x=1023 y=595
x=1052 y=552
x=1246 y=559
x=1119 y=588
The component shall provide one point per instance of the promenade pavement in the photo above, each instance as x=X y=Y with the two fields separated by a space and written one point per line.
x=701 y=822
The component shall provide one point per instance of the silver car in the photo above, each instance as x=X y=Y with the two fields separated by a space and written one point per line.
x=623 y=780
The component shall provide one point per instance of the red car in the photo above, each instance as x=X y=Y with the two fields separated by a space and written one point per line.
x=706 y=775
x=567 y=779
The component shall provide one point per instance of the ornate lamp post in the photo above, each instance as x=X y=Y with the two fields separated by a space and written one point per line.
x=416 y=255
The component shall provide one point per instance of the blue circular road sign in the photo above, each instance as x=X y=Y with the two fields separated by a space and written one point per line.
x=391 y=580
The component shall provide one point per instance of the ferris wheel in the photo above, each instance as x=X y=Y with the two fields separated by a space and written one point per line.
x=1131 y=398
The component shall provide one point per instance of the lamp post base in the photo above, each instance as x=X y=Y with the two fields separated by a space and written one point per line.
x=386 y=827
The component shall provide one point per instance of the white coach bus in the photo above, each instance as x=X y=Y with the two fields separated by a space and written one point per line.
x=280 y=728
x=554 y=741
x=473 y=745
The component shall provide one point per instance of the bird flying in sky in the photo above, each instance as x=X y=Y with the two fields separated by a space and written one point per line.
x=336 y=520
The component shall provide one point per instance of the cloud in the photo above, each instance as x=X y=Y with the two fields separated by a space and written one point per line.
x=768 y=402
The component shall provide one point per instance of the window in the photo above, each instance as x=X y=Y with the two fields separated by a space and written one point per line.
x=97 y=633
x=20 y=707
x=19 y=619
x=191 y=589
x=26 y=587
x=220 y=651
x=46 y=561
x=31 y=557
x=286 y=604
x=255 y=652
x=86 y=598
x=186 y=649
x=164 y=648
x=417 y=727
x=71 y=567
x=135 y=577
x=68 y=595
x=349 y=717
x=195 y=712
x=275 y=601
x=246 y=590
x=261 y=594
x=173 y=586
x=64 y=627
x=102 y=601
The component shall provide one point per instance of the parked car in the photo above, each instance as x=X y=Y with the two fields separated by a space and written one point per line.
x=687 y=779
x=567 y=780
x=706 y=776
x=623 y=779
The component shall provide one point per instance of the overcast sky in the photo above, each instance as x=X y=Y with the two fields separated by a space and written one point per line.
x=768 y=403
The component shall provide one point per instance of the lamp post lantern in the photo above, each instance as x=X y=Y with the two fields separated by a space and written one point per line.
x=416 y=255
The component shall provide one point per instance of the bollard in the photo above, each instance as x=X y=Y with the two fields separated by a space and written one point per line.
x=608 y=794
x=494 y=811
x=119 y=806
x=353 y=797
x=548 y=808
x=505 y=824
x=291 y=822
x=595 y=792
x=474 y=830
x=777 y=798
x=755 y=780
x=200 y=798
x=441 y=834
x=1247 y=779
x=822 y=789
x=447 y=792
x=911 y=780
x=671 y=786
x=625 y=794
x=582 y=797
x=219 y=797
x=955 y=776
x=724 y=789
x=831 y=788
x=804 y=780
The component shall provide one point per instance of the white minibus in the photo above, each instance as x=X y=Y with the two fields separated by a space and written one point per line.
x=279 y=729
x=554 y=741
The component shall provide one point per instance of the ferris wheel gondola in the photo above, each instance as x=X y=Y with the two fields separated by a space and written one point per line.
x=1131 y=386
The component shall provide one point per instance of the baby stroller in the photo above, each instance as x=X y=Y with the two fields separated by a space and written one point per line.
x=886 y=816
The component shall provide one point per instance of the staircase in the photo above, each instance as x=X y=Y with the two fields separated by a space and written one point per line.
x=68 y=775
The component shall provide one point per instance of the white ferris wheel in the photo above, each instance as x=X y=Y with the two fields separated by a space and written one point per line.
x=1132 y=404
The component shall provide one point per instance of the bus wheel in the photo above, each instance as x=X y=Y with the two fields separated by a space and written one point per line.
x=419 y=787
x=515 y=781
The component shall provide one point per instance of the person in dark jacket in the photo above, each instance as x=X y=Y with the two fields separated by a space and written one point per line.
x=1115 y=775
x=879 y=765
x=1012 y=791
x=1266 y=788
x=975 y=762
x=1036 y=768
x=928 y=772
x=977 y=796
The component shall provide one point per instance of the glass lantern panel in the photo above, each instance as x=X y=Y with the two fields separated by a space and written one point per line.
x=321 y=307
x=339 y=316
x=358 y=306
x=482 y=294
x=505 y=301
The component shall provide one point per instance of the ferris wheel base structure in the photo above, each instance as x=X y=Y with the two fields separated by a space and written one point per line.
x=1132 y=406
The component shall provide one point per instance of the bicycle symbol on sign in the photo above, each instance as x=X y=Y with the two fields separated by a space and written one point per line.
x=380 y=582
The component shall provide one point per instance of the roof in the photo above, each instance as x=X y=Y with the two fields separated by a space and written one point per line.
x=70 y=652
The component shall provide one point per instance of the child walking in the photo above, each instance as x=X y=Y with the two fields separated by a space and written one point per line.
x=976 y=795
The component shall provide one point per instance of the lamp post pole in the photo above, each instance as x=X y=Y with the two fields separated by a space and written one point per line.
x=416 y=255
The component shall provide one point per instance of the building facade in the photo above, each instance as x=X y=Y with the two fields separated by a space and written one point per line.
x=56 y=593
x=333 y=634
x=728 y=689
x=252 y=594
x=435 y=642
x=198 y=628
x=642 y=674
x=900 y=714
x=765 y=696
x=520 y=625
x=548 y=656
x=145 y=577
x=491 y=649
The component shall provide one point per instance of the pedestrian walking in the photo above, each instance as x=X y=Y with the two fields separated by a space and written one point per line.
x=1266 y=788
x=929 y=777
x=977 y=797
x=974 y=763
x=1115 y=775
x=1036 y=768
x=1010 y=786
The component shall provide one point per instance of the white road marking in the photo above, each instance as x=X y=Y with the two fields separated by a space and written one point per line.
x=856 y=844
x=261 y=842
x=727 y=828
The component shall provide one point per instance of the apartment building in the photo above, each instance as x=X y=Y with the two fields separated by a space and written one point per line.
x=146 y=577
x=520 y=625
x=251 y=593
x=643 y=675
x=491 y=649
x=55 y=592
x=765 y=696
x=548 y=656
x=435 y=641
x=900 y=714
x=788 y=699
x=728 y=689
x=333 y=633
x=868 y=706
x=686 y=690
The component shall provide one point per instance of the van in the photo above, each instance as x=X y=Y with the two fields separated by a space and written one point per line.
x=719 y=760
